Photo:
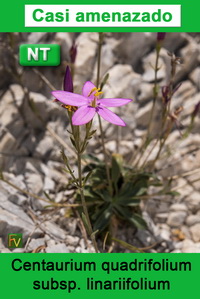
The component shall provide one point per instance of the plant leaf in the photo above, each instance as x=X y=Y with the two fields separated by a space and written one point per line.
x=48 y=197
x=131 y=202
x=133 y=218
x=105 y=79
x=117 y=161
x=87 y=177
x=127 y=245
x=103 y=218
x=85 y=223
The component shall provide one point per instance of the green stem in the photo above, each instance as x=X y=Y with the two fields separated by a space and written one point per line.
x=155 y=92
x=162 y=143
x=85 y=210
x=105 y=158
x=99 y=57
x=100 y=123
x=167 y=112
x=148 y=155
x=147 y=138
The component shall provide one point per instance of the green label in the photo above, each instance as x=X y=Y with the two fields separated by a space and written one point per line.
x=14 y=18
x=15 y=241
x=39 y=55
x=98 y=276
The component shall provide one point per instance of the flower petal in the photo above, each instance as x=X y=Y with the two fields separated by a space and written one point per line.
x=113 y=102
x=110 y=116
x=83 y=115
x=87 y=87
x=69 y=98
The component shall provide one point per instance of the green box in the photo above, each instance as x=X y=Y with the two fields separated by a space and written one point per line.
x=39 y=54
x=15 y=241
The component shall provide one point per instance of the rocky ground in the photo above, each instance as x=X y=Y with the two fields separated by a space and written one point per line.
x=30 y=144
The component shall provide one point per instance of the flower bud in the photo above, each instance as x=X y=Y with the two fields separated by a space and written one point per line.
x=68 y=83
x=165 y=94
x=196 y=110
x=73 y=53
x=161 y=36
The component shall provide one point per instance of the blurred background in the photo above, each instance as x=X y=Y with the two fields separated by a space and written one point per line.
x=33 y=130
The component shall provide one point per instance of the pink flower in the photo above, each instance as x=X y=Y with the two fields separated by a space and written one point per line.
x=89 y=104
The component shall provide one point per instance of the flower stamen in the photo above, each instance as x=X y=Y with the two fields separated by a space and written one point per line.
x=96 y=95
x=92 y=90
x=98 y=92
x=69 y=108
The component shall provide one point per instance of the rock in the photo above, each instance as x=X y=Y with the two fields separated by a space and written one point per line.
x=70 y=225
x=59 y=197
x=39 y=37
x=34 y=183
x=3 y=249
x=150 y=223
x=145 y=237
x=85 y=60
x=149 y=63
x=44 y=147
x=35 y=243
x=18 y=199
x=164 y=232
x=195 y=76
x=53 y=230
x=49 y=184
x=7 y=66
x=190 y=247
x=12 y=128
x=190 y=55
x=18 y=250
x=183 y=188
x=10 y=191
x=134 y=46
x=176 y=251
x=108 y=58
x=82 y=248
x=161 y=217
x=175 y=40
x=9 y=112
x=188 y=112
x=145 y=92
x=50 y=242
x=187 y=97
x=176 y=219
x=14 y=220
x=185 y=232
x=71 y=248
x=195 y=231
x=192 y=219
x=58 y=248
x=72 y=241
x=42 y=105
x=64 y=39
x=129 y=82
x=179 y=207
x=193 y=201
x=8 y=145
x=143 y=116
x=54 y=172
